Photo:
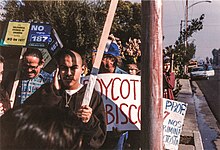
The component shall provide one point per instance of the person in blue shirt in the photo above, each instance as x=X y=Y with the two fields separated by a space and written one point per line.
x=111 y=60
x=31 y=78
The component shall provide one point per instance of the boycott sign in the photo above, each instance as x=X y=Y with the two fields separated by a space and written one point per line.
x=174 y=113
x=17 y=33
x=121 y=96
x=122 y=99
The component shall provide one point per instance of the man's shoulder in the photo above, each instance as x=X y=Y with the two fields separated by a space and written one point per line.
x=119 y=70
x=46 y=76
x=83 y=90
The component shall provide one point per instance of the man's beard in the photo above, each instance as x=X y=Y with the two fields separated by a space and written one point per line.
x=104 y=68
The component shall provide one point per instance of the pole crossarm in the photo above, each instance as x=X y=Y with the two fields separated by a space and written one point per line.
x=208 y=1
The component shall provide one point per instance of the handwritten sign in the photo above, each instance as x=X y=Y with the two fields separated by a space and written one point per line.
x=174 y=113
x=121 y=95
x=122 y=99
x=17 y=33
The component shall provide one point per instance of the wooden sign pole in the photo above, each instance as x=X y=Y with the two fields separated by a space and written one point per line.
x=18 y=73
x=100 y=51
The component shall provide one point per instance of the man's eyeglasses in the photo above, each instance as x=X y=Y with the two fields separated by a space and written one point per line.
x=30 y=67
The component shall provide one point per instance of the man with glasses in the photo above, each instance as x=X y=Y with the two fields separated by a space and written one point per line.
x=31 y=78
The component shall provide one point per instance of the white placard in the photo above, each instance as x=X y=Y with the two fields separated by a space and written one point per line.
x=174 y=114
x=122 y=99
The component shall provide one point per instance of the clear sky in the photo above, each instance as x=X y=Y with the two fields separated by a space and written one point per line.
x=205 y=40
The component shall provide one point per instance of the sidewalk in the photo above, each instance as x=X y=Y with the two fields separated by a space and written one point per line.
x=190 y=136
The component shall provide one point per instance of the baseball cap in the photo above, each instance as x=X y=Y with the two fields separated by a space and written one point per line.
x=113 y=50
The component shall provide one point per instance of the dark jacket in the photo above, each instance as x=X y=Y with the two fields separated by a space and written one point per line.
x=4 y=99
x=168 y=85
x=94 y=130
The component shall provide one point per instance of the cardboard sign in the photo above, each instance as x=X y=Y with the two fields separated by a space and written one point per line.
x=46 y=56
x=55 y=43
x=174 y=113
x=39 y=35
x=17 y=33
x=121 y=96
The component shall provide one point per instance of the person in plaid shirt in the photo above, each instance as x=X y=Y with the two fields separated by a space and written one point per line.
x=31 y=78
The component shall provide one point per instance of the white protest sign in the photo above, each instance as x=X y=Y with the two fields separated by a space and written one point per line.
x=122 y=99
x=174 y=113
x=121 y=95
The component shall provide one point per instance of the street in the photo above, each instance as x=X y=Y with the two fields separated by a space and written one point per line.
x=211 y=89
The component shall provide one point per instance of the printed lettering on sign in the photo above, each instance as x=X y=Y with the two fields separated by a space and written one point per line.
x=39 y=35
x=17 y=33
x=37 y=28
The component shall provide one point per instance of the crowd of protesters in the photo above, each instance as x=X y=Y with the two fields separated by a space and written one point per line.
x=61 y=91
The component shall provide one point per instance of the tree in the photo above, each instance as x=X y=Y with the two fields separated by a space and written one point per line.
x=183 y=54
x=127 y=21
x=75 y=21
x=78 y=23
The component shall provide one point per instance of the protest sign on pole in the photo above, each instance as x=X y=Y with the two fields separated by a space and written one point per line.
x=17 y=33
x=174 y=114
x=99 y=55
x=122 y=99
x=55 y=43
x=34 y=34
x=17 y=76
x=39 y=35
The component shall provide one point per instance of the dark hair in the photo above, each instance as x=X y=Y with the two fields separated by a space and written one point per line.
x=166 y=59
x=64 y=52
x=40 y=127
x=35 y=53
x=113 y=58
x=2 y=60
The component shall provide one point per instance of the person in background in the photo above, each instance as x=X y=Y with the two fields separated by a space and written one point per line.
x=40 y=128
x=4 y=97
x=31 y=78
x=134 y=140
x=111 y=60
x=133 y=69
x=168 y=80
x=67 y=93
x=110 y=64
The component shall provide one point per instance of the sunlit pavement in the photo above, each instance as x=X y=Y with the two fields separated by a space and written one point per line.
x=198 y=115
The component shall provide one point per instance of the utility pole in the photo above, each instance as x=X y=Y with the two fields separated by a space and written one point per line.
x=186 y=23
x=186 y=29
x=151 y=76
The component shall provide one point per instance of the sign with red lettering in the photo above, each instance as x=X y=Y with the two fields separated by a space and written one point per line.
x=122 y=98
x=121 y=95
x=174 y=113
